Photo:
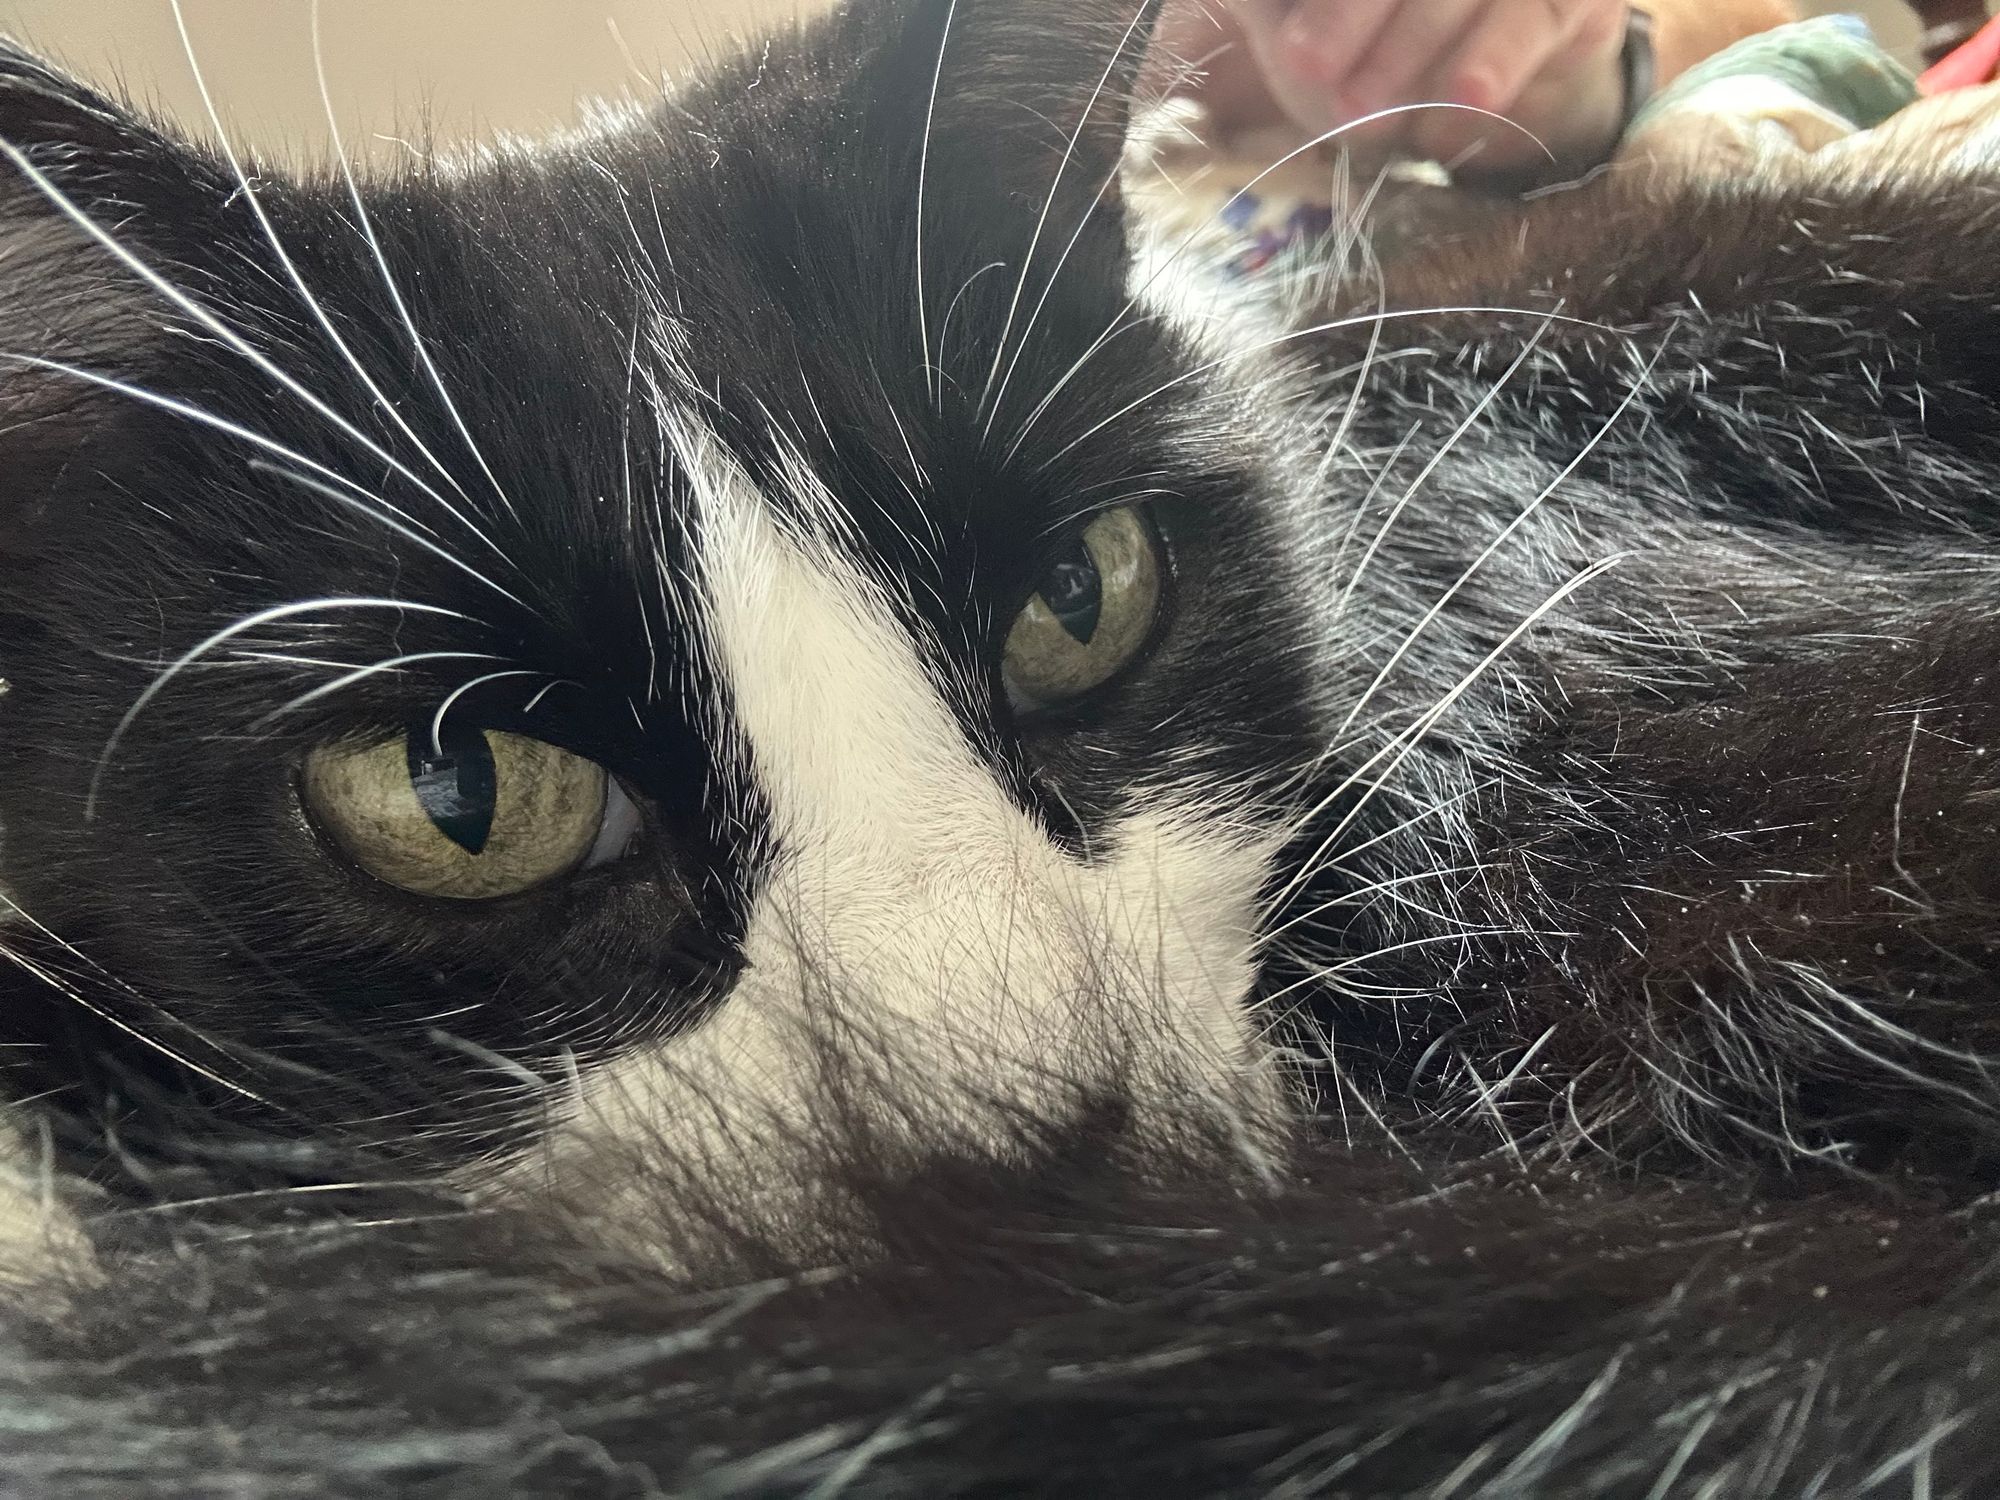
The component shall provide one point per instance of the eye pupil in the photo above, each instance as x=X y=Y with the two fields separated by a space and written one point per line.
x=1074 y=594
x=457 y=786
x=1092 y=614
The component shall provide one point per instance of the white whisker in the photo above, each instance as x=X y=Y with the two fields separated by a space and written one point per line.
x=1323 y=972
x=1351 y=413
x=230 y=338
x=944 y=328
x=999 y=397
x=437 y=719
x=923 y=184
x=1373 y=888
x=292 y=272
x=536 y=701
x=367 y=226
x=1395 y=830
x=986 y=400
x=76 y=997
x=1117 y=323
x=1431 y=466
x=1404 y=744
x=362 y=674
x=1507 y=532
x=337 y=486
x=221 y=637
x=1367 y=500
x=1335 y=326
x=386 y=517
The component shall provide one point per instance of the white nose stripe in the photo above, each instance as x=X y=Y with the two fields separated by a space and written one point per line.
x=847 y=735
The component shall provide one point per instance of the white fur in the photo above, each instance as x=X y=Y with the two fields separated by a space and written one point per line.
x=41 y=1236
x=42 y=1241
x=913 y=912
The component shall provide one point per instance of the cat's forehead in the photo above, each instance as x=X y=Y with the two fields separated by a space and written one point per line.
x=599 y=328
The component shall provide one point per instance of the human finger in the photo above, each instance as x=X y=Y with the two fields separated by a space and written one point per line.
x=1550 y=67
x=1405 y=53
x=1308 y=51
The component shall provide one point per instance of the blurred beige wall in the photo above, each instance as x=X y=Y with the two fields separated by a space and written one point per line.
x=469 y=67
x=1895 y=21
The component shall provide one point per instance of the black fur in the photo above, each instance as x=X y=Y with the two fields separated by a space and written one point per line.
x=1639 y=962
x=1371 y=1332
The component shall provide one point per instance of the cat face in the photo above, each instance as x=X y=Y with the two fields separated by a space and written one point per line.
x=736 y=625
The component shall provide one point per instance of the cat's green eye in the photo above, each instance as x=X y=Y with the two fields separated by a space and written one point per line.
x=1093 y=614
x=479 y=815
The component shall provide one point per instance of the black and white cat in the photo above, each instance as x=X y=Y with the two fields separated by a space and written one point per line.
x=755 y=804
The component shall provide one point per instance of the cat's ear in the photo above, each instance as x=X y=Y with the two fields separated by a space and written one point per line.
x=80 y=174
x=1030 y=97
x=1004 y=124
x=64 y=125
x=88 y=191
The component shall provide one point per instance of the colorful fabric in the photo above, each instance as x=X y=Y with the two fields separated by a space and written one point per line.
x=1264 y=236
x=1833 y=61
x=1977 y=62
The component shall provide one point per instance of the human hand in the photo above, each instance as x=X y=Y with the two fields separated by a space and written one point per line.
x=1552 y=67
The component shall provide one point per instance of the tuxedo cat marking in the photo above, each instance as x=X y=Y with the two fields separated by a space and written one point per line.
x=683 y=504
x=750 y=804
